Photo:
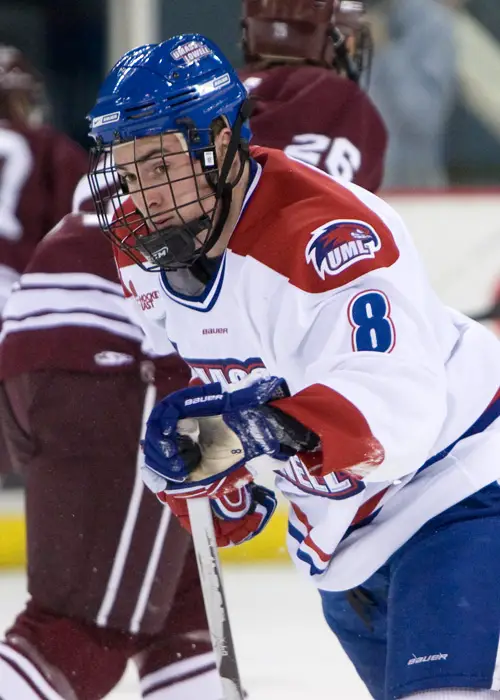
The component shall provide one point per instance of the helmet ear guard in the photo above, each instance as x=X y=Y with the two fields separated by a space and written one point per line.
x=205 y=154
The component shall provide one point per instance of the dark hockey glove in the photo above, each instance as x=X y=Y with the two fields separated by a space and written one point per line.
x=242 y=427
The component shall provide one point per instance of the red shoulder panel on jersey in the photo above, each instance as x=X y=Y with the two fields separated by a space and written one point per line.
x=309 y=228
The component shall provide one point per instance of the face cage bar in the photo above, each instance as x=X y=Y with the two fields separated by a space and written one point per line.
x=124 y=224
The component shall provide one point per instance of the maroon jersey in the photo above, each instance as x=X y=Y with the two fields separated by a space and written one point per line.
x=73 y=399
x=320 y=118
x=68 y=312
x=39 y=170
x=67 y=309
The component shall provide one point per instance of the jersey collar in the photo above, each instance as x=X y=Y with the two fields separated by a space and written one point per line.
x=206 y=300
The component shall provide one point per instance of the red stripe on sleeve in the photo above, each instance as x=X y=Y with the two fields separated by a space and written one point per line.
x=301 y=516
x=345 y=435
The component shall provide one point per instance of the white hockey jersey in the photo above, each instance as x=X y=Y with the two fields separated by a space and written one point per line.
x=322 y=285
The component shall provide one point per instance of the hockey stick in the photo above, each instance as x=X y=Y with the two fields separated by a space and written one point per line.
x=207 y=557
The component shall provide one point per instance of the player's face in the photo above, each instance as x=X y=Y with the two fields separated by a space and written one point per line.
x=166 y=184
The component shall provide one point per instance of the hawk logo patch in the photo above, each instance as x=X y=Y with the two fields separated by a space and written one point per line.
x=338 y=244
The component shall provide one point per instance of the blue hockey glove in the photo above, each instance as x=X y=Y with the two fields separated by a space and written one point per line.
x=247 y=428
x=236 y=426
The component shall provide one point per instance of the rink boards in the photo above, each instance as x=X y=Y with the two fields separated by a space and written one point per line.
x=458 y=235
x=269 y=546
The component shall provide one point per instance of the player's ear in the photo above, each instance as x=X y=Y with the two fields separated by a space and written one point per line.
x=222 y=140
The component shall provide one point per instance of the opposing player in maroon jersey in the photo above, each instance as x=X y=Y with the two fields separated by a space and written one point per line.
x=39 y=167
x=111 y=574
x=304 y=64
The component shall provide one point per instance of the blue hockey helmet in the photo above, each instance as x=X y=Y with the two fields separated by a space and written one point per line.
x=153 y=86
x=179 y=86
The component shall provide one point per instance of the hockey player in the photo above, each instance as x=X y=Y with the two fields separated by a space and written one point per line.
x=39 y=167
x=377 y=404
x=111 y=575
x=305 y=62
x=39 y=170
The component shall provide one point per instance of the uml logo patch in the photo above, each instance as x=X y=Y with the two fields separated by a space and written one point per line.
x=338 y=244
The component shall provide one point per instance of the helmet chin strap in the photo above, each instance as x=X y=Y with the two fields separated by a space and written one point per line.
x=175 y=247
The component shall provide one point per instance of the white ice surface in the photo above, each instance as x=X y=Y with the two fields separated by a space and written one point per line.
x=285 y=650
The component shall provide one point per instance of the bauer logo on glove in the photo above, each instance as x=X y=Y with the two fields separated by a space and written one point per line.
x=202 y=399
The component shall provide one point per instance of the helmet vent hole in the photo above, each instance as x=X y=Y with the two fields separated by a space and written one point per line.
x=182 y=97
x=140 y=107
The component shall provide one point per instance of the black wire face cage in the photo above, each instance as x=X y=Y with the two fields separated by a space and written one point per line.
x=164 y=208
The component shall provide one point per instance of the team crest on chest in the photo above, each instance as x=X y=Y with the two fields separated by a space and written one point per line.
x=336 y=245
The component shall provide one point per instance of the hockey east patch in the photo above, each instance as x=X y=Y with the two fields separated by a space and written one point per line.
x=338 y=244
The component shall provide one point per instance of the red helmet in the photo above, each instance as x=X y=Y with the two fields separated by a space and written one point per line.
x=22 y=92
x=311 y=31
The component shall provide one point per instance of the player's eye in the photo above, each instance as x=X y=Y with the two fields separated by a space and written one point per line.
x=161 y=169
x=128 y=178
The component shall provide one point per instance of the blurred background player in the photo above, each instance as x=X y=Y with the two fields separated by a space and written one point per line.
x=39 y=166
x=304 y=65
x=111 y=574
x=39 y=170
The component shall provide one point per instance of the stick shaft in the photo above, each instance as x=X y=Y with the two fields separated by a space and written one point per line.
x=205 y=544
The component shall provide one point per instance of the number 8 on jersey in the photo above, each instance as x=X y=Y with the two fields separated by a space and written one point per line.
x=373 y=329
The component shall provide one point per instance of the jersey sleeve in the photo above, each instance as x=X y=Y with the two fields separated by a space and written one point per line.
x=363 y=363
x=369 y=383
